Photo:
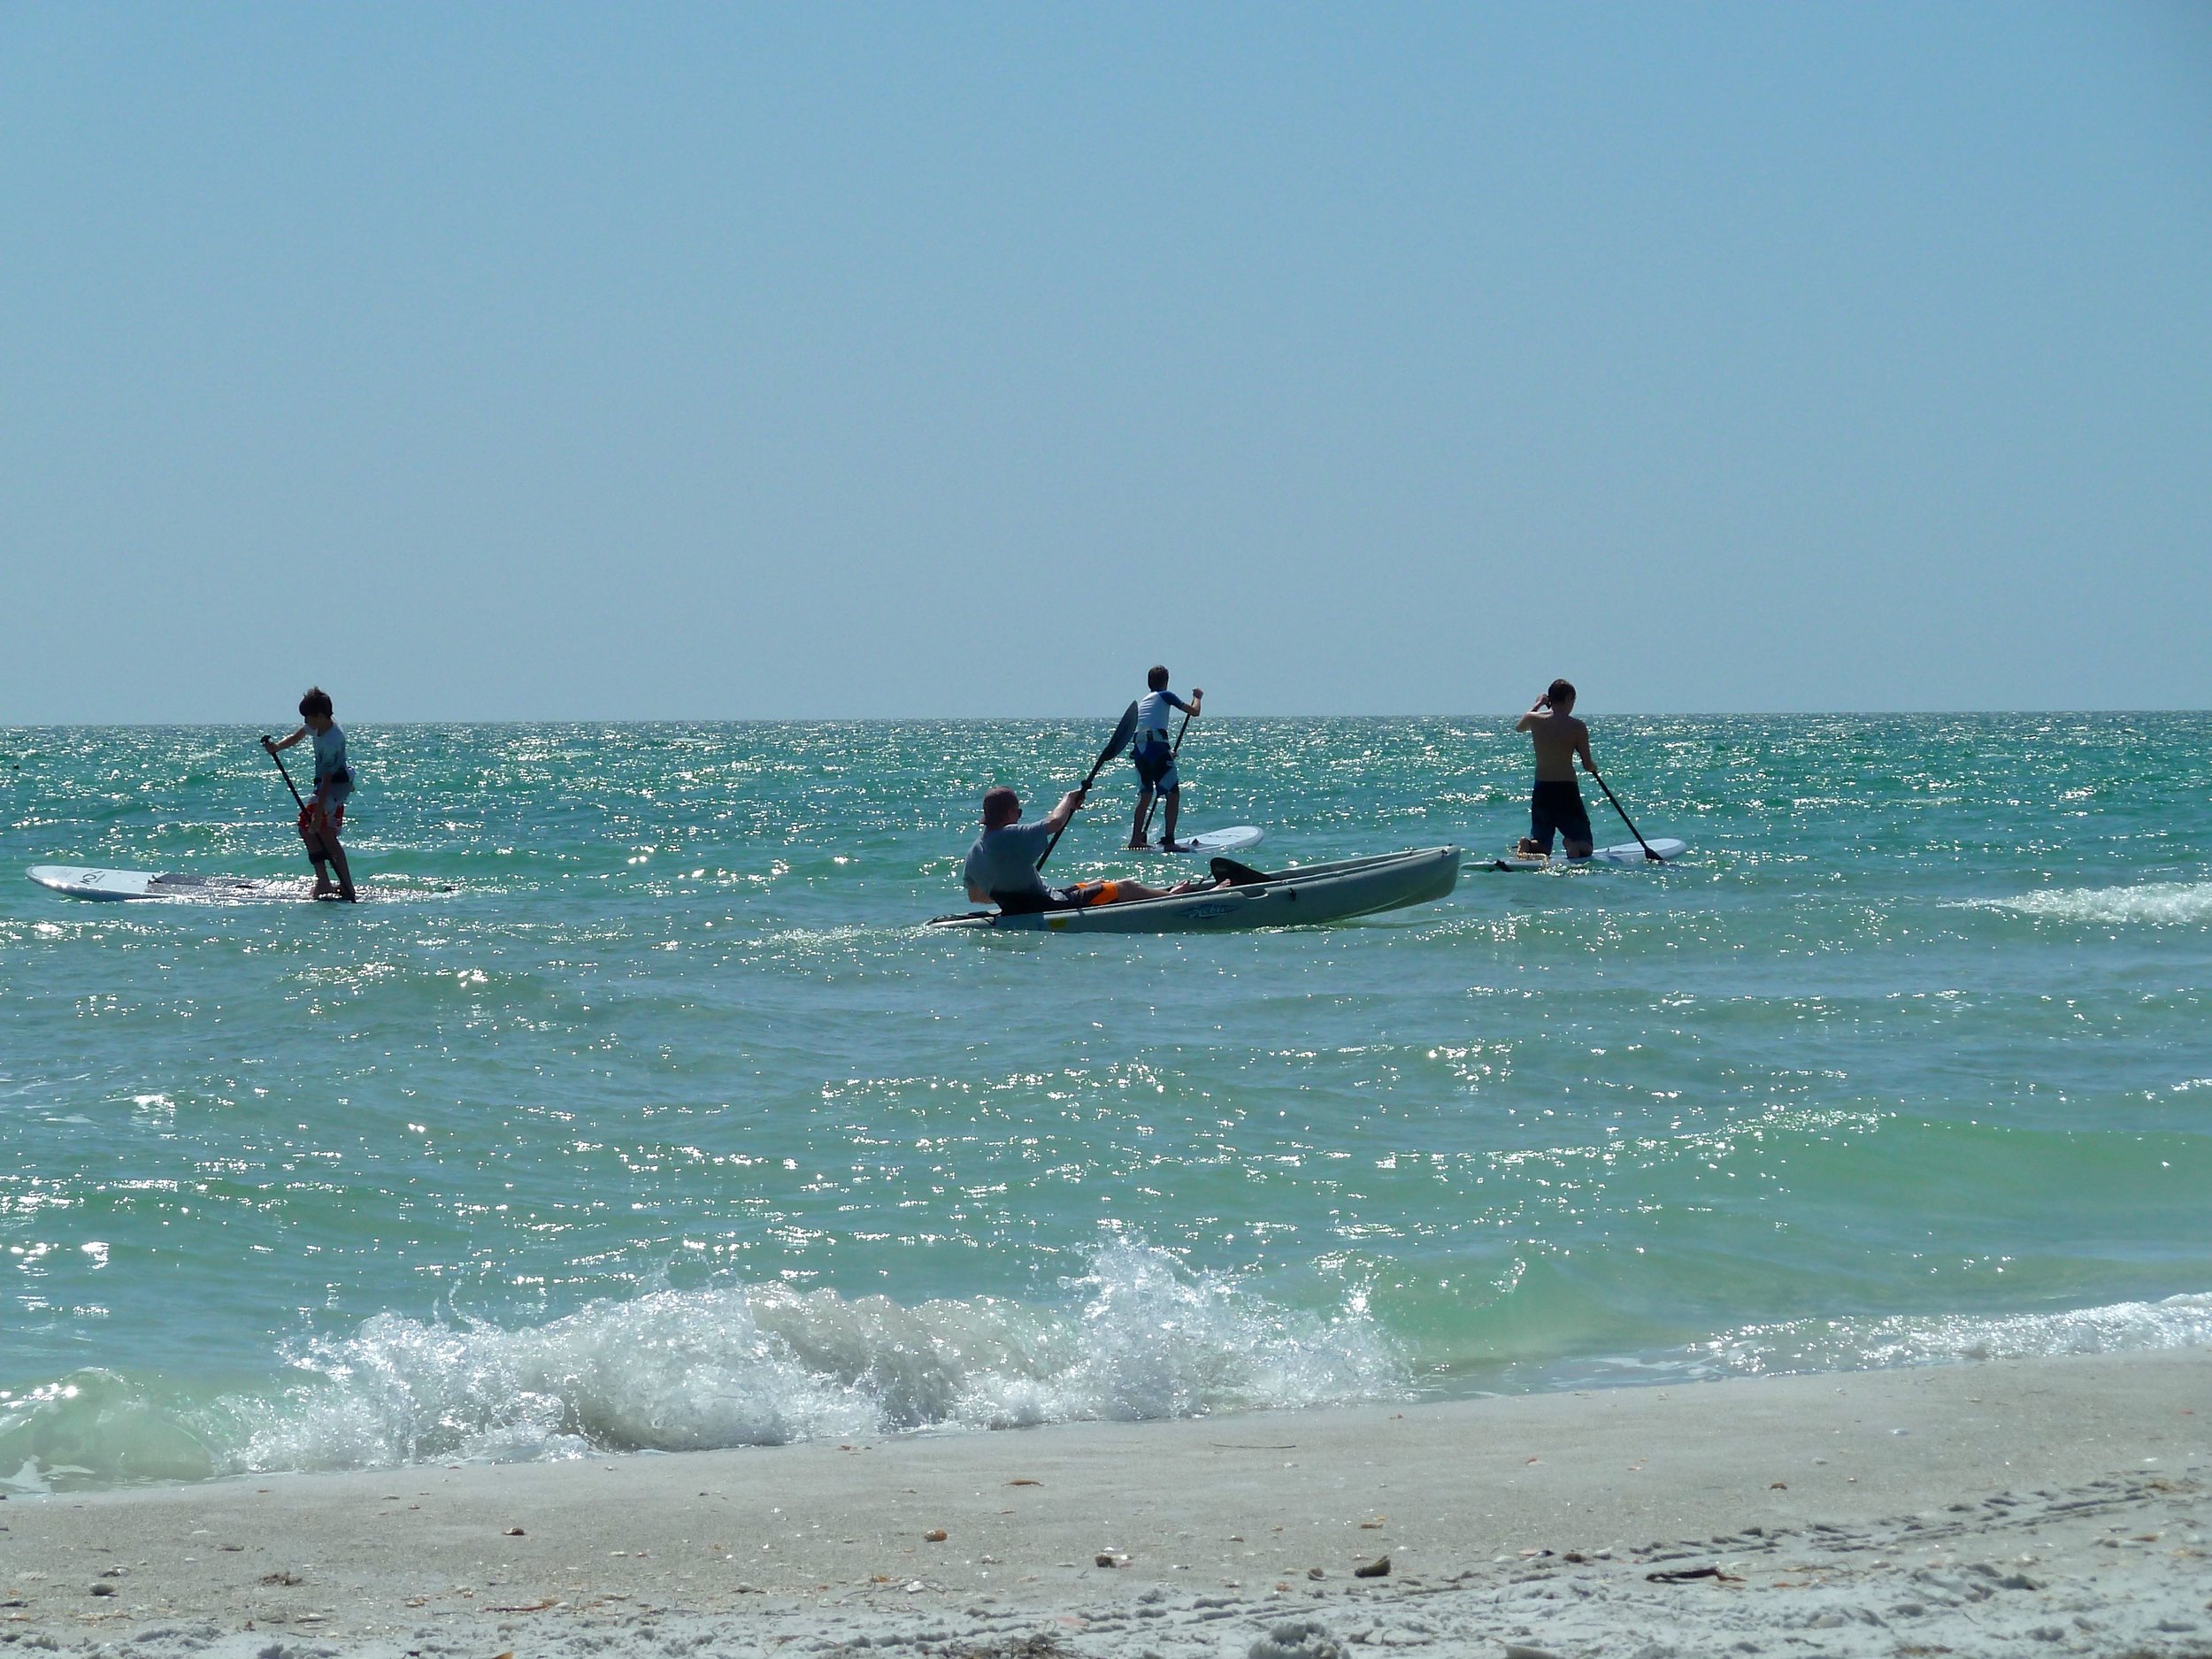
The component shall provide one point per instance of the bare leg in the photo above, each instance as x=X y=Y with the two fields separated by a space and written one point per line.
x=345 y=871
x=322 y=849
x=1144 y=810
x=1126 y=892
x=319 y=856
x=1174 y=811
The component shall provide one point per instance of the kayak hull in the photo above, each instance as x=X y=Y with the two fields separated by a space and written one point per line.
x=1318 y=892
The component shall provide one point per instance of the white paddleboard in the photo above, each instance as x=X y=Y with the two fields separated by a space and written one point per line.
x=1628 y=853
x=1235 y=838
x=1666 y=847
x=81 y=883
x=1625 y=854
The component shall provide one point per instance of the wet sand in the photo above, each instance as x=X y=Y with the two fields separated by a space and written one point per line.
x=2056 y=1506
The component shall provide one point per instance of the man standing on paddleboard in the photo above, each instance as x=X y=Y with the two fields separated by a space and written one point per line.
x=1153 y=757
x=1556 y=805
x=1002 y=867
x=324 y=815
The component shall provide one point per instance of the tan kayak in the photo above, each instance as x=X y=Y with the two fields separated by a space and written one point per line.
x=1289 y=898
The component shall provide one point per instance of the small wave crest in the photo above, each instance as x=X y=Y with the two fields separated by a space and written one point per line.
x=2167 y=903
x=1868 y=1344
x=682 y=1371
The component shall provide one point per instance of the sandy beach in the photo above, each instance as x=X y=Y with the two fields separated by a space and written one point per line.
x=2005 y=1507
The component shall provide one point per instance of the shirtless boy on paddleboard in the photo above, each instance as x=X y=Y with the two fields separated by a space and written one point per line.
x=324 y=813
x=1556 y=805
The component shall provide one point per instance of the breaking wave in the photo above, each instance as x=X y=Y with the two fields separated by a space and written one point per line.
x=1868 y=1344
x=683 y=1371
x=2167 y=903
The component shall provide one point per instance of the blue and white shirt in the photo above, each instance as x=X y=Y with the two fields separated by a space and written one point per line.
x=1153 y=715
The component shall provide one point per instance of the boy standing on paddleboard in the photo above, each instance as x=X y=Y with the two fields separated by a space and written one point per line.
x=1153 y=757
x=1556 y=805
x=324 y=813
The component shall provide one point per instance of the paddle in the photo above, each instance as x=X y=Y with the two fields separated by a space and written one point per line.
x=1115 y=745
x=1144 y=830
x=268 y=749
x=1649 y=855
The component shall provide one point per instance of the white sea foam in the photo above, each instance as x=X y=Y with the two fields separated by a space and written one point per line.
x=1139 y=1336
x=2162 y=903
x=1810 y=1345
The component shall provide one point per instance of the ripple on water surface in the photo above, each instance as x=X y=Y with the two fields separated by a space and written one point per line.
x=652 y=1119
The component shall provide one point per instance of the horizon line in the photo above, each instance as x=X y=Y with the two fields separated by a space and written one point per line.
x=996 y=719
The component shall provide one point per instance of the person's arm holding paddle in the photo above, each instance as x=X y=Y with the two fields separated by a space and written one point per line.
x=1071 y=803
x=998 y=814
x=323 y=814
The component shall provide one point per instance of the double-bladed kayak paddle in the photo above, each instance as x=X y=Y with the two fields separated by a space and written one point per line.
x=1119 y=742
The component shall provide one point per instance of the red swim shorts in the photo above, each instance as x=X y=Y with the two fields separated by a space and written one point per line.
x=336 y=811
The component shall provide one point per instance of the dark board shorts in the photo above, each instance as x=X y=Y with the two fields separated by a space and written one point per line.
x=1557 y=808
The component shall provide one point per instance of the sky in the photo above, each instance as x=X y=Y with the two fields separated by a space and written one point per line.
x=495 y=362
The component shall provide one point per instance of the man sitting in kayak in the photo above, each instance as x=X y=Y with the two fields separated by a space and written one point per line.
x=1153 y=757
x=1001 y=866
x=1556 y=806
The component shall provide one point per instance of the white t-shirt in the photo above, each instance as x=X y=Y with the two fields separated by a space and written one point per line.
x=1153 y=715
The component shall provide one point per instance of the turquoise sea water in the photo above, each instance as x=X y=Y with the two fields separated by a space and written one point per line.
x=636 y=1111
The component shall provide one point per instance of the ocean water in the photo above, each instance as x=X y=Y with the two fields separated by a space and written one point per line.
x=636 y=1111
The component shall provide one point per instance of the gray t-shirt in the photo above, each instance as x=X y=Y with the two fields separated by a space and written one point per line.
x=1004 y=860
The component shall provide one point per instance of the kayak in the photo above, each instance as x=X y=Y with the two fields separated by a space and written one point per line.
x=1289 y=898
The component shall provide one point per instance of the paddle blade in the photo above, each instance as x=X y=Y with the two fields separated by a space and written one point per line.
x=1123 y=732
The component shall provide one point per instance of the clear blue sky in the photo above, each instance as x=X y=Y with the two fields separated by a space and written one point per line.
x=489 y=362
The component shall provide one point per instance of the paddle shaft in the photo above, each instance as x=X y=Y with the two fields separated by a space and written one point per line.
x=1115 y=745
x=288 y=784
x=1631 y=822
x=1145 y=831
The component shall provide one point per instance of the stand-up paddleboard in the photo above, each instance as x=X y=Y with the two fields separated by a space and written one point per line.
x=1627 y=853
x=1235 y=838
x=1633 y=852
x=80 y=883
